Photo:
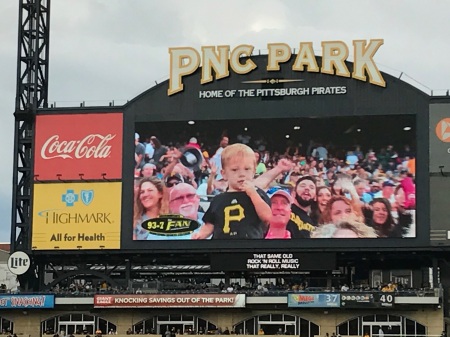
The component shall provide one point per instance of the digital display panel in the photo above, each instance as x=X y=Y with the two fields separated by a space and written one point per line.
x=318 y=178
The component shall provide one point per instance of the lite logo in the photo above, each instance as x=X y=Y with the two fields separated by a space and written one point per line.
x=443 y=130
x=19 y=263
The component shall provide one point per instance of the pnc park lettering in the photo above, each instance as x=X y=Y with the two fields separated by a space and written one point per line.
x=216 y=60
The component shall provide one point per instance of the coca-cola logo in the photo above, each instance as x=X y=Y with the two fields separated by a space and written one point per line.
x=91 y=146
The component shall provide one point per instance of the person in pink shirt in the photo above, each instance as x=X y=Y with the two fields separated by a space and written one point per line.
x=281 y=202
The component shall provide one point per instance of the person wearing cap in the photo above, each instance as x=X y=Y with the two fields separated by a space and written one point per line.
x=148 y=170
x=173 y=180
x=193 y=143
x=304 y=196
x=387 y=191
x=281 y=202
x=175 y=167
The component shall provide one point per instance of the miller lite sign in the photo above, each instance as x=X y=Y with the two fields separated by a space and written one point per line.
x=78 y=146
x=19 y=263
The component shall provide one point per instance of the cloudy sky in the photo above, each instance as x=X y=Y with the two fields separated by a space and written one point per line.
x=104 y=50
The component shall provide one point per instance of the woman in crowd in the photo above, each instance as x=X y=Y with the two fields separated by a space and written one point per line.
x=379 y=216
x=260 y=166
x=147 y=204
x=323 y=194
x=340 y=207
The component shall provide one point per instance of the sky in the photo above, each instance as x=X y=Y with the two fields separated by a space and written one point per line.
x=113 y=50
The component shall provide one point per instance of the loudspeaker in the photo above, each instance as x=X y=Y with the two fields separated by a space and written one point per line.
x=191 y=158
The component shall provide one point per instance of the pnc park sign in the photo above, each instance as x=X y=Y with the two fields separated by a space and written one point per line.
x=216 y=61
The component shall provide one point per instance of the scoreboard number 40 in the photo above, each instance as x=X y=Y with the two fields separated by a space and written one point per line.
x=387 y=299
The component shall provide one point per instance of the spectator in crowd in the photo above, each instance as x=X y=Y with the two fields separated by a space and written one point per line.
x=216 y=184
x=139 y=155
x=176 y=167
x=379 y=216
x=148 y=170
x=375 y=189
x=242 y=211
x=323 y=196
x=361 y=190
x=387 y=191
x=159 y=151
x=147 y=204
x=193 y=143
x=216 y=158
x=340 y=207
x=304 y=196
x=260 y=166
x=405 y=192
x=183 y=200
x=149 y=150
x=281 y=201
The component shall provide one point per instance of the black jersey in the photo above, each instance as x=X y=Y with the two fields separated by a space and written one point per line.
x=300 y=225
x=234 y=216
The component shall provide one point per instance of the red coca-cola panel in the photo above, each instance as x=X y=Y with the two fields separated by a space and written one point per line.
x=78 y=146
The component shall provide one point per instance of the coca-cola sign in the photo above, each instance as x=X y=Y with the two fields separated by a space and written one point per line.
x=78 y=146
x=91 y=146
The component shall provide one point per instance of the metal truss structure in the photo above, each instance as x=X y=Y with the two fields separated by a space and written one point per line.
x=31 y=94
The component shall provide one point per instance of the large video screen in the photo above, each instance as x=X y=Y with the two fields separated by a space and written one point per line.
x=275 y=179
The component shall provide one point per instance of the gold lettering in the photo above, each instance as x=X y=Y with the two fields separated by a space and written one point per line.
x=183 y=62
x=238 y=67
x=301 y=225
x=278 y=52
x=334 y=54
x=364 y=61
x=217 y=61
x=235 y=217
x=306 y=57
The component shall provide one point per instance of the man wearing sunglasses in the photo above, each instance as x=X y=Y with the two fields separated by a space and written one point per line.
x=184 y=201
x=173 y=180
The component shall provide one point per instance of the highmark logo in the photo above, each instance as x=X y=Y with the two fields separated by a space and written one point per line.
x=443 y=130
x=70 y=197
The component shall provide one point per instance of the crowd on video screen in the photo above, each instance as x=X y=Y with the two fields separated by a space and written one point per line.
x=240 y=188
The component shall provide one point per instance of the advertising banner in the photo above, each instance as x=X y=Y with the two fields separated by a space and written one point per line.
x=170 y=301
x=27 y=301
x=76 y=216
x=305 y=300
x=439 y=138
x=74 y=146
x=367 y=300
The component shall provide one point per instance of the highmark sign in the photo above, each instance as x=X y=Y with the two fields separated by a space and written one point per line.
x=216 y=60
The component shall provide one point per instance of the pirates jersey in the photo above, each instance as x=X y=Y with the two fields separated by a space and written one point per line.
x=300 y=225
x=234 y=216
